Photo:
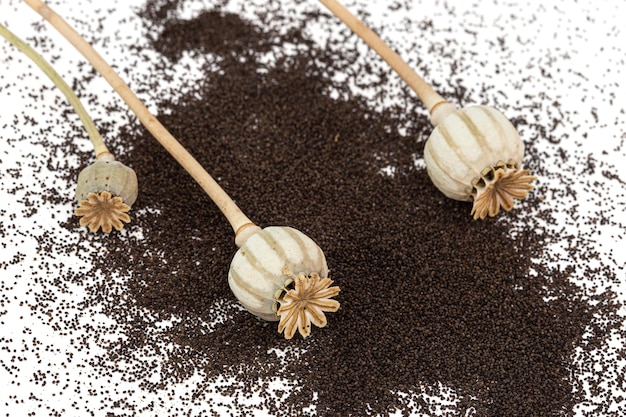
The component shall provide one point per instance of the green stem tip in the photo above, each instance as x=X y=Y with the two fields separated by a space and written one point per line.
x=98 y=144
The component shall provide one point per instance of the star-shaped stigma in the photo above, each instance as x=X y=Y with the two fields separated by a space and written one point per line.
x=502 y=184
x=306 y=303
x=103 y=210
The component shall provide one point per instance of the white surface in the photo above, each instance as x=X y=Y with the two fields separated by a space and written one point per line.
x=581 y=47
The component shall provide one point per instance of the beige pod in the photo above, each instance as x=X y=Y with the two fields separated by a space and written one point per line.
x=477 y=150
x=267 y=262
x=107 y=174
x=466 y=142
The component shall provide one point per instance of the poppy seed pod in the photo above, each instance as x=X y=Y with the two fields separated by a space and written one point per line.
x=475 y=154
x=107 y=174
x=106 y=190
x=279 y=273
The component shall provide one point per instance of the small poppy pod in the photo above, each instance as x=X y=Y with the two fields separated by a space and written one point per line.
x=107 y=174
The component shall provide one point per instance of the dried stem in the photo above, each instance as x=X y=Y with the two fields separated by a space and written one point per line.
x=425 y=92
x=98 y=144
x=237 y=219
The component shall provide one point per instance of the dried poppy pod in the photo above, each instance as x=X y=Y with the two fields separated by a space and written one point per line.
x=475 y=154
x=106 y=191
x=279 y=273
x=107 y=174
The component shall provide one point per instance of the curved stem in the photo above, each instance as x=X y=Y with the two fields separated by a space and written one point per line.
x=98 y=144
x=424 y=91
x=237 y=219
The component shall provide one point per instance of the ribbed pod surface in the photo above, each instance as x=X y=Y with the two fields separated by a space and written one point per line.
x=466 y=142
x=268 y=259
x=108 y=175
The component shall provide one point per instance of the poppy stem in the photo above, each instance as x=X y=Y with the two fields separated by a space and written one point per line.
x=98 y=144
x=424 y=90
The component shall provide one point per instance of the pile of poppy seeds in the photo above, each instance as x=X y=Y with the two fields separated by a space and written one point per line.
x=433 y=303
